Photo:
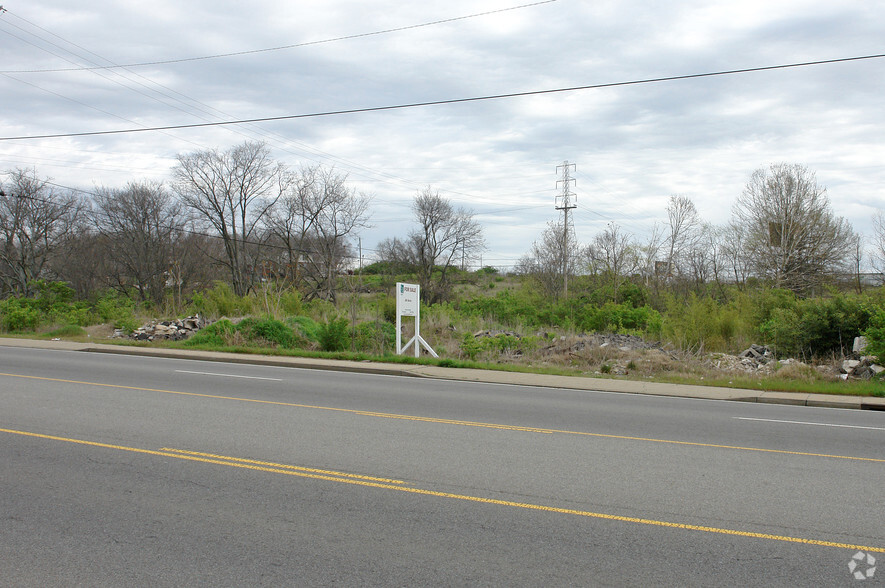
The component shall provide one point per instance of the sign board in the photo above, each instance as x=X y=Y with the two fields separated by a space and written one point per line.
x=407 y=299
x=408 y=303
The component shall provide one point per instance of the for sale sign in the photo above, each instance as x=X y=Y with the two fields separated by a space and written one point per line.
x=407 y=299
x=408 y=303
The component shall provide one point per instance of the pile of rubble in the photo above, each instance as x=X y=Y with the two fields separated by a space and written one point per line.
x=174 y=330
x=860 y=365
x=863 y=368
x=495 y=333
x=613 y=340
x=760 y=359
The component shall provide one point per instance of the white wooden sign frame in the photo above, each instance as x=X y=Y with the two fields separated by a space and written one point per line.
x=408 y=303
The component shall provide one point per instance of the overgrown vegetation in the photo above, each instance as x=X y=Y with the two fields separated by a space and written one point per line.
x=725 y=320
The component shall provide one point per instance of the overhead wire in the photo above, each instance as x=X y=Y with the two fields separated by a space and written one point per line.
x=367 y=109
x=366 y=172
x=283 y=47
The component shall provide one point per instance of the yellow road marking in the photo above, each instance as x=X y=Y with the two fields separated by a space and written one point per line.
x=454 y=422
x=281 y=465
x=368 y=481
x=221 y=460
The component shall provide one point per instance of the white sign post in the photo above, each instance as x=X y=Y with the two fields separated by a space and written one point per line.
x=408 y=303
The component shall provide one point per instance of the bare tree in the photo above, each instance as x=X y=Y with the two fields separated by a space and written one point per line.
x=444 y=234
x=703 y=257
x=291 y=219
x=143 y=229
x=34 y=219
x=232 y=191
x=794 y=239
x=79 y=260
x=683 y=224
x=878 y=242
x=338 y=212
x=315 y=221
x=614 y=257
x=543 y=263
x=649 y=253
x=734 y=259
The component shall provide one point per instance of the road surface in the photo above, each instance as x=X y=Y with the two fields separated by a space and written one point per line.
x=120 y=470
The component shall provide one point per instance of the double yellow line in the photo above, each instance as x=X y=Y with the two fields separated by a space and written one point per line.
x=399 y=485
x=407 y=417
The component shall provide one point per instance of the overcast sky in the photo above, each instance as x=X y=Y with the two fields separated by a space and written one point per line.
x=633 y=146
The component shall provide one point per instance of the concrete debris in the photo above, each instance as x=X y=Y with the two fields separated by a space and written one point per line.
x=174 y=330
x=757 y=352
x=614 y=340
x=495 y=333
x=863 y=368
x=860 y=345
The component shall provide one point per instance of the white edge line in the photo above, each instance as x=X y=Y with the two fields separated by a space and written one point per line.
x=807 y=423
x=227 y=375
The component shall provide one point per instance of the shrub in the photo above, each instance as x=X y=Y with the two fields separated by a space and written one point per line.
x=290 y=302
x=817 y=326
x=52 y=296
x=220 y=300
x=305 y=326
x=267 y=331
x=618 y=318
x=334 y=335
x=371 y=337
x=78 y=313
x=471 y=346
x=18 y=314
x=217 y=334
x=117 y=310
x=875 y=335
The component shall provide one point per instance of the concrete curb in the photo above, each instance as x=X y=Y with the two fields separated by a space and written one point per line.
x=472 y=375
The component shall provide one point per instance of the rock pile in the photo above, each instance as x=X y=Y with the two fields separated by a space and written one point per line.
x=495 y=333
x=174 y=330
x=613 y=340
x=863 y=368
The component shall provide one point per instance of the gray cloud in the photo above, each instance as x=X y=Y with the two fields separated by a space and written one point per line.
x=634 y=145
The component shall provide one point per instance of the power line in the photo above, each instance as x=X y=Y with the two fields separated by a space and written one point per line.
x=201 y=107
x=269 y=49
x=450 y=101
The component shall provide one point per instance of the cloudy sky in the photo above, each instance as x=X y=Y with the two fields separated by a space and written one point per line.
x=633 y=146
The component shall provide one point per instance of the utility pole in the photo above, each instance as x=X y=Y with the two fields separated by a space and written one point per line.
x=565 y=203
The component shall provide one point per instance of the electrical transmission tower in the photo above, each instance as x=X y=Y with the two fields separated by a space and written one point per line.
x=566 y=201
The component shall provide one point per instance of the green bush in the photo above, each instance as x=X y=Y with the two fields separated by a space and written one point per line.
x=510 y=308
x=18 y=315
x=700 y=323
x=290 y=302
x=268 y=332
x=875 y=335
x=78 y=313
x=371 y=337
x=334 y=335
x=118 y=310
x=52 y=296
x=220 y=300
x=306 y=326
x=621 y=318
x=218 y=334
x=817 y=327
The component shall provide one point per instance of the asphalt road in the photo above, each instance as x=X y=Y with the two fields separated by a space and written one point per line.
x=119 y=470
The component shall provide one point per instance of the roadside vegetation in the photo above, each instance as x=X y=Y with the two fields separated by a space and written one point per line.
x=272 y=257
x=501 y=322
